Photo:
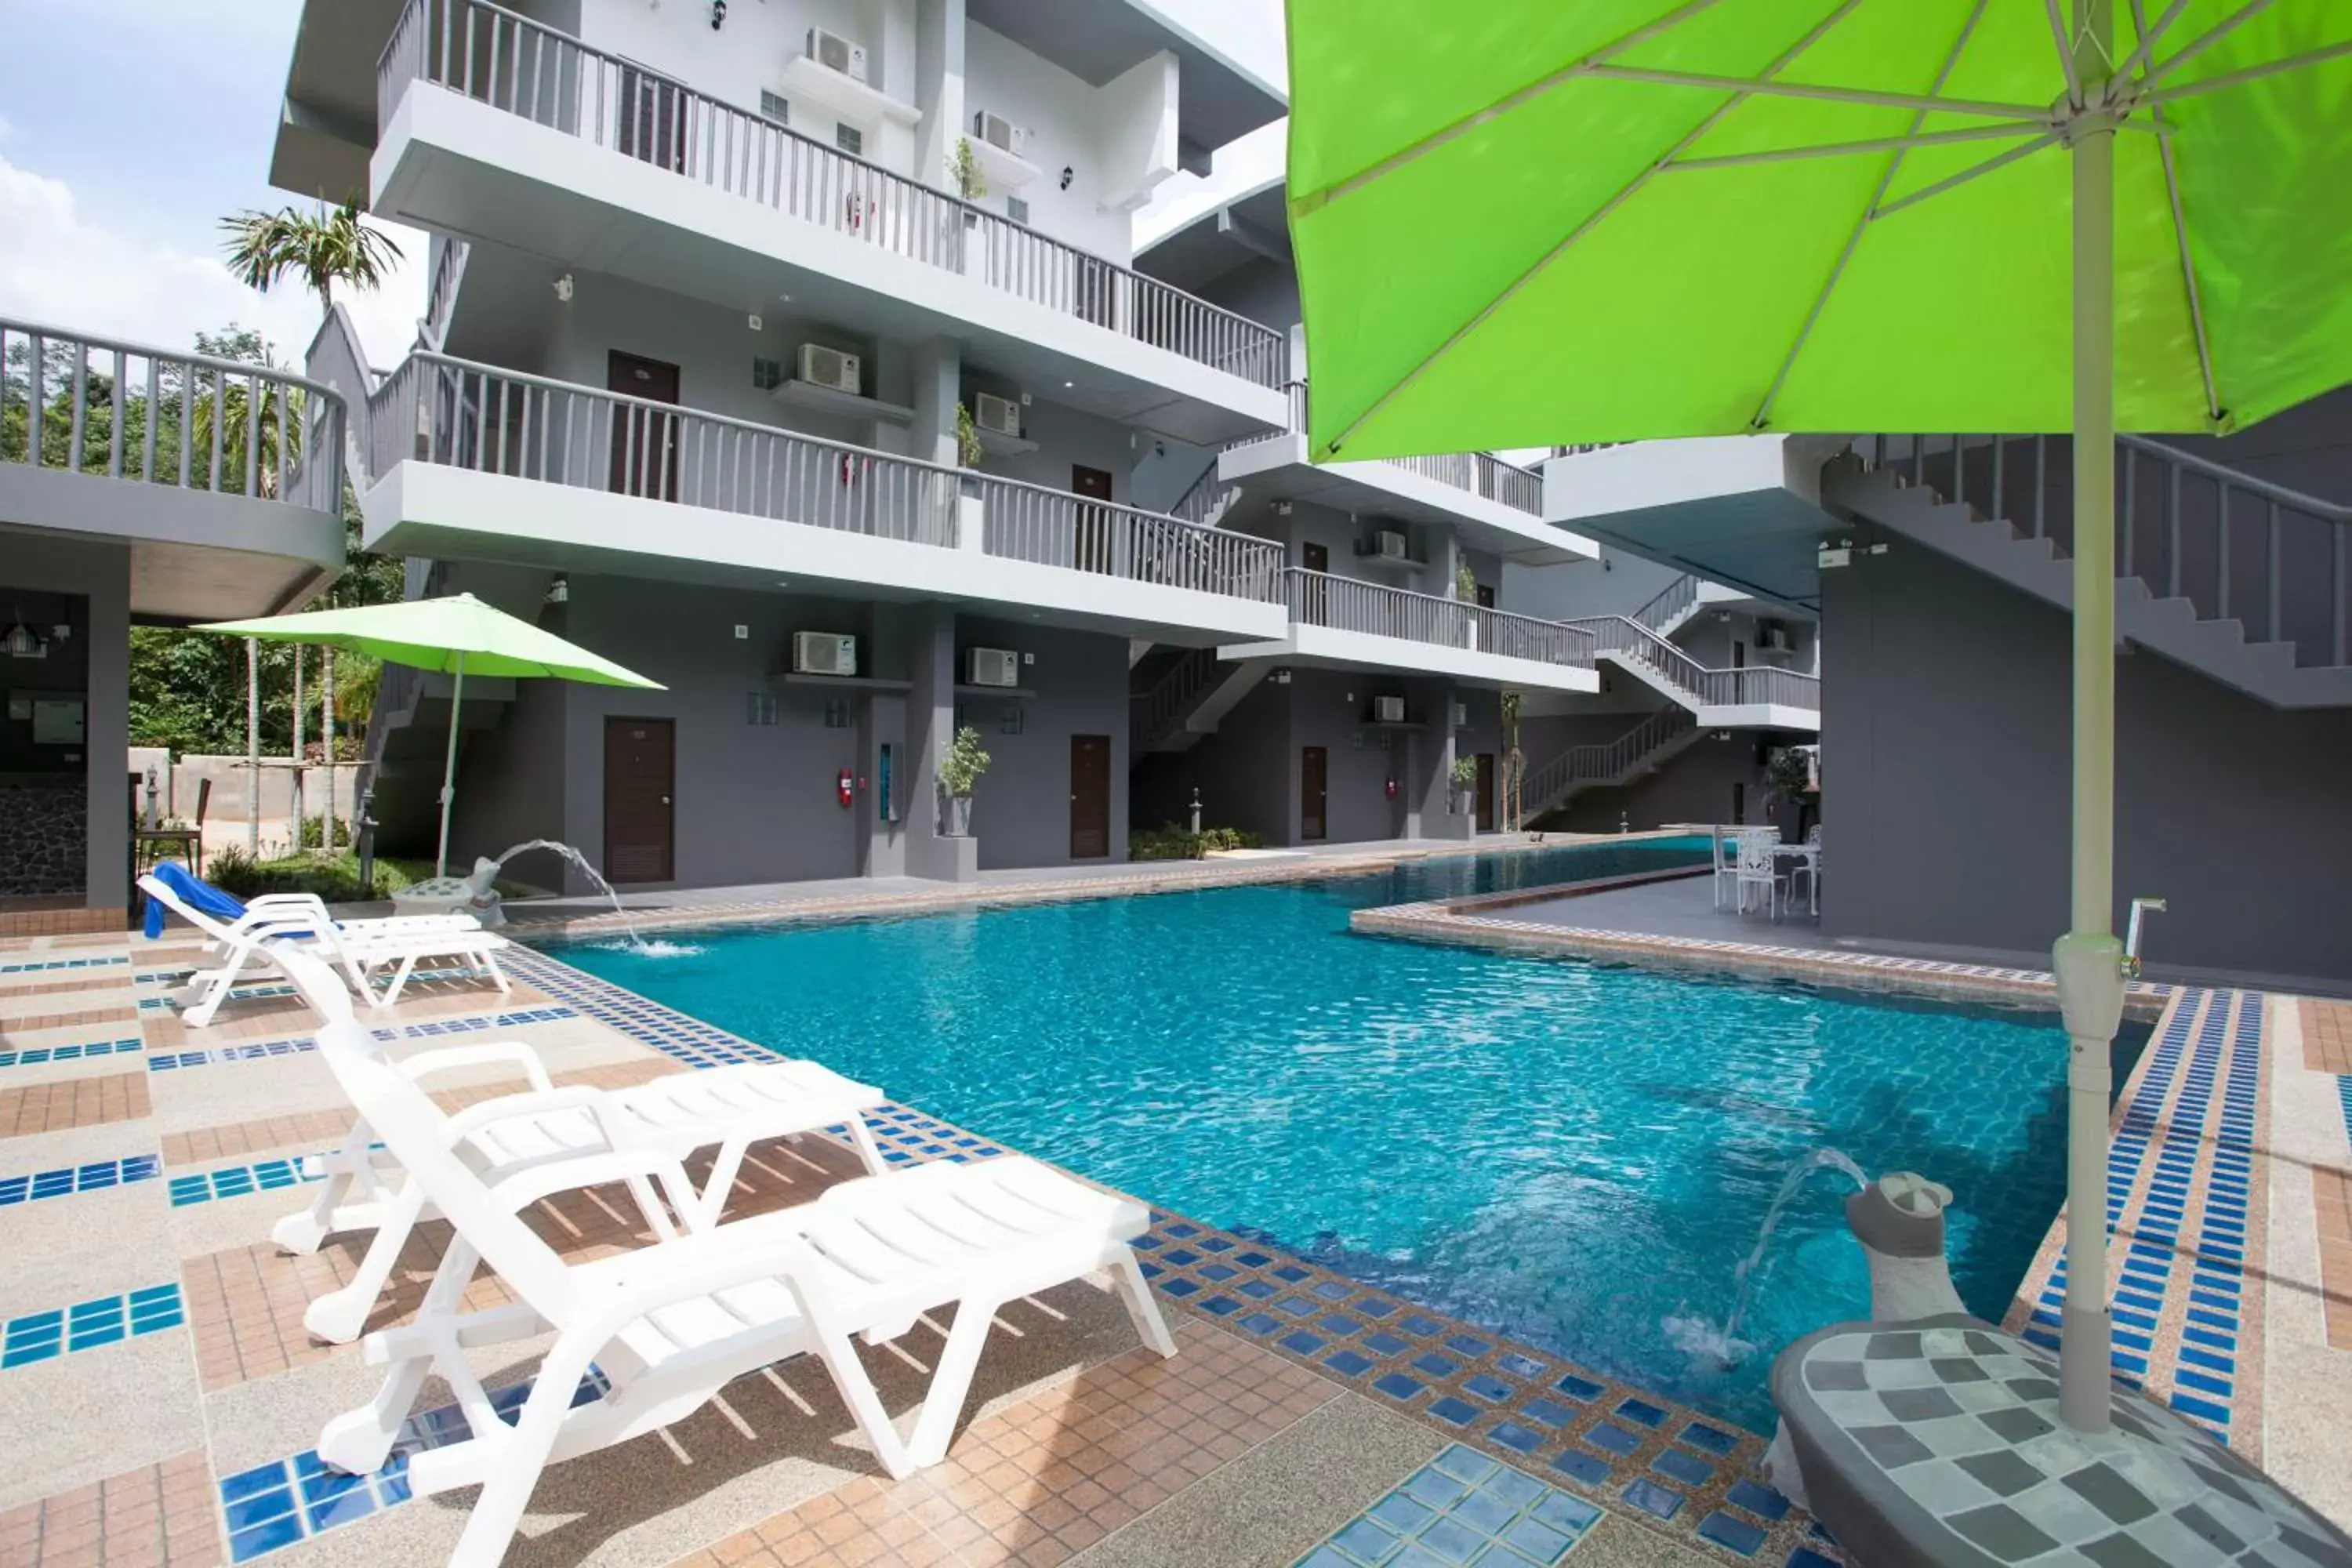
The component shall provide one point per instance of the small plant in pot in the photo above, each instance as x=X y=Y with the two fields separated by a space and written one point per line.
x=1466 y=780
x=960 y=770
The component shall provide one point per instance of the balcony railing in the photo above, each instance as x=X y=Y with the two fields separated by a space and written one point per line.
x=1479 y=473
x=1628 y=640
x=1344 y=604
x=515 y=64
x=81 y=403
x=436 y=409
x=454 y=412
x=1054 y=528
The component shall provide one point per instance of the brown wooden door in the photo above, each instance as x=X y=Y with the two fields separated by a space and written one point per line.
x=1314 y=604
x=1095 y=534
x=1486 y=792
x=1314 y=809
x=640 y=812
x=1483 y=593
x=1089 y=796
x=653 y=119
x=645 y=441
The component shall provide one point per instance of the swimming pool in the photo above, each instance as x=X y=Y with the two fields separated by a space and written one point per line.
x=1568 y=1154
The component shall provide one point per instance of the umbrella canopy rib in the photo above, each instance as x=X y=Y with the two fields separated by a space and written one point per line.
x=1598 y=216
x=1861 y=221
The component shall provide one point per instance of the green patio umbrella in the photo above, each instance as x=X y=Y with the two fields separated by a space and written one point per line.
x=1524 y=222
x=453 y=635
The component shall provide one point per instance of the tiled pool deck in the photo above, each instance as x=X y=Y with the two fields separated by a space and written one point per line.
x=160 y=1394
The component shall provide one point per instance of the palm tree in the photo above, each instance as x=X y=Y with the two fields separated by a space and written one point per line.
x=320 y=247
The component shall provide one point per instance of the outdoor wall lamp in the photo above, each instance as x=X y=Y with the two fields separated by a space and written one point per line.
x=1068 y=174
x=717 y=15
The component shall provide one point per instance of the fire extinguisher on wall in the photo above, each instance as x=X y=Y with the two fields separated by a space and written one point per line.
x=1389 y=787
x=844 y=787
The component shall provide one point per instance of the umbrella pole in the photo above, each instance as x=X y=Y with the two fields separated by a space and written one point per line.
x=449 y=767
x=2088 y=960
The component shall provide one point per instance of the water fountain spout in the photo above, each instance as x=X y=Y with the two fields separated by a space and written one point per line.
x=576 y=858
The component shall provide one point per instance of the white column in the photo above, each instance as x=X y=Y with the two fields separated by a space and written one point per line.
x=2088 y=959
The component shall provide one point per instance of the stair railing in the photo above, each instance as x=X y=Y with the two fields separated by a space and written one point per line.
x=2233 y=545
x=1668 y=603
x=1604 y=762
x=1155 y=713
x=1629 y=641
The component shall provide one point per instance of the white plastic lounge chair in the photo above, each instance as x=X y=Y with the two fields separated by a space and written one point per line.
x=667 y=1326
x=731 y=1108
x=361 y=947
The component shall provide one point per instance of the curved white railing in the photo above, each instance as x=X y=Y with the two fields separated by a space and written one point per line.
x=512 y=63
x=99 y=405
x=1349 y=604
x=2233 y=545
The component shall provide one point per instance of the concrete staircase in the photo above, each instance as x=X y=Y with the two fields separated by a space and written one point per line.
x=1608 y=765
x=2203 y=551
x=1189 y=700
x=408 y=748
x=1712 y=696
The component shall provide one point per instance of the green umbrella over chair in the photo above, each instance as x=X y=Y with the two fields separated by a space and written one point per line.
x=455 y=636
x=1528 y=222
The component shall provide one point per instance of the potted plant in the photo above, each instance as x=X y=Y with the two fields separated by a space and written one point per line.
x=969 y=451
x=1465 y=590
x=1793 y=775
x=958 y=771
x=1466 y=780
x=964 y=168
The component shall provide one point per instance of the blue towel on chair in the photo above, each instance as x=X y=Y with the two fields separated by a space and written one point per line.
x=196 y=893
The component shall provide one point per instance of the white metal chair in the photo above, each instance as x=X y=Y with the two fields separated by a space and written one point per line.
x=1758 y=871
x=1725 y=863
x=667 y=1326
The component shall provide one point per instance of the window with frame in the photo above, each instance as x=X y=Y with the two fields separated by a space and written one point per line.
x=850 y=140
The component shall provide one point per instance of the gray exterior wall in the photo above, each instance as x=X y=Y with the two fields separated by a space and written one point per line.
x=1945 y=745
x=1021 y=810
x=1243 y=772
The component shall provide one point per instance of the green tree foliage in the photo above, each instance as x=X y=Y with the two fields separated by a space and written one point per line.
x=321 y=247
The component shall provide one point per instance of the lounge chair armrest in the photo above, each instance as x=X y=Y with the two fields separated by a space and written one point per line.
x=423 y=1065
x=764 y=1247
x=507 y=1107
x=310 y=902
x=599 y=1168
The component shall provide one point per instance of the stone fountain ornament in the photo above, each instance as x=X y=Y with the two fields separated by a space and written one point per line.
x=1927 y=1435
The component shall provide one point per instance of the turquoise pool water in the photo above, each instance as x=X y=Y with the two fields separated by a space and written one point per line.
x=1569 y=1153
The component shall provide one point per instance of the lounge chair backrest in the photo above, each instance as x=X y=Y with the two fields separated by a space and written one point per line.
x=414 y=1131
x=166 y=893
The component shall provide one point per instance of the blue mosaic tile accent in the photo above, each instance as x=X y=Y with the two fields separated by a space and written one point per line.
x=286 y=1501
x=87 y=1325
x=674 y=1034
x=47 y=965
x=71 y=1180
x=238 y=1181
x=168 y=1061
x=1461 y=1507
x=34 y=1056
x=2188 y=1239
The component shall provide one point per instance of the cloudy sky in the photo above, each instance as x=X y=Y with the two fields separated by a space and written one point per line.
x=129 y=127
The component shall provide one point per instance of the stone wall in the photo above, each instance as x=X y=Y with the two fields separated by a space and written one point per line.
x=44 y=825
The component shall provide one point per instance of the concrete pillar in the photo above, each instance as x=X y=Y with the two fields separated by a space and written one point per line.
x=894 y=31
x=938 y=87
x=939 y=386
x=106 y=736
x=930 y=726
x=883 y=806
x=1428 y=766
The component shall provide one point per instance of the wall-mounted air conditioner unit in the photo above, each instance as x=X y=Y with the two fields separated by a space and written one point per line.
x=1000 y=416
x=1000 y=133
x=1771 y=637
x=836 y=53
x=992 y=667
x=1388 y=710
x=1390 y=543
x=821 y=366
x=823 y=653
